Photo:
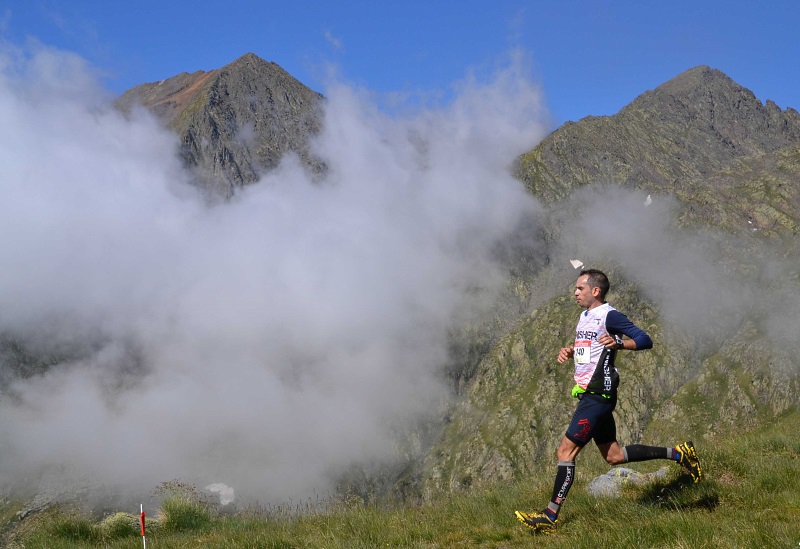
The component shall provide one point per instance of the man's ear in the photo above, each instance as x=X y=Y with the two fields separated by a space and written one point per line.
x=596 y=292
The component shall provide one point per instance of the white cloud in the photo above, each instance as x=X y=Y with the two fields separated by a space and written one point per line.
x=334 y=41
x=266 y=343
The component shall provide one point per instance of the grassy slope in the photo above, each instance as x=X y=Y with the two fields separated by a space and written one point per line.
x=750 y=498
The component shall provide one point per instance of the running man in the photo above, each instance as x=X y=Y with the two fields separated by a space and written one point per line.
x=598 y=339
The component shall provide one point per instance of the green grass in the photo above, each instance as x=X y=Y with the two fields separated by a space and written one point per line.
x=750 y=498
x=184 y=510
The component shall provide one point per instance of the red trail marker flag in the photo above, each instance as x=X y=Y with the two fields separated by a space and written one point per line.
x=141 y=523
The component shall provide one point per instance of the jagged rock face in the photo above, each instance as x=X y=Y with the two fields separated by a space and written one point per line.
x=688 y=128
x=235 y=122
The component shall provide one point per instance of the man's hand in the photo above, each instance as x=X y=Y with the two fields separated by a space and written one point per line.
x=565 y=354
x=609 y=341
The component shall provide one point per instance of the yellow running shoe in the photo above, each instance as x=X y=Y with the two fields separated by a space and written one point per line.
x=537 y=521
x=689 y=460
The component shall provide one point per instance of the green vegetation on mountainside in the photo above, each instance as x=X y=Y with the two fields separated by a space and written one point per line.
x=759 y=194
x=733 y=164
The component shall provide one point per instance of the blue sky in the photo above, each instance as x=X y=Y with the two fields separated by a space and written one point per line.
x=591 y=57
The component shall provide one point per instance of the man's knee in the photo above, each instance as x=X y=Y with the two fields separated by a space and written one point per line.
x=612 y=453
x=567 y=450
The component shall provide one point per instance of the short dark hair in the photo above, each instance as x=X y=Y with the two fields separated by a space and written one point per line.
x=597 y=279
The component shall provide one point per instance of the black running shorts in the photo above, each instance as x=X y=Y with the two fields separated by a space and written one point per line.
x=593 y=419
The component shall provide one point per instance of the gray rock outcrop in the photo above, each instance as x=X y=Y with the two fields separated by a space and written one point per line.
x=611 y=484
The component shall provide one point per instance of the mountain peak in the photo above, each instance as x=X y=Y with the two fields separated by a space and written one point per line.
x=250 y=57
x=693 y=77
x=213 y=110
x=697 y=82
x=250 y=61
x=730 y=115
x=686 y=128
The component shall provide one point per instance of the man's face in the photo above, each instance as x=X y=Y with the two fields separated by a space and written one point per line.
x=585 y=295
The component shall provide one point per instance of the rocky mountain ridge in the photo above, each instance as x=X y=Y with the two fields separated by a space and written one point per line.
x=686 y=129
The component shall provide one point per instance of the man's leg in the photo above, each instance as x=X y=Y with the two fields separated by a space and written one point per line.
x=545 y=521
x=683 y=453
x=612 y=452
x=590 y=413
x=565 y=476
x=615 y=454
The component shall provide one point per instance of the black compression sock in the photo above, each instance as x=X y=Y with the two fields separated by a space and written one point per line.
x=564 y=478
x=640 y=452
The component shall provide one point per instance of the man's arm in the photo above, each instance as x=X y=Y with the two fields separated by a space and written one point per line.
x=619 y=324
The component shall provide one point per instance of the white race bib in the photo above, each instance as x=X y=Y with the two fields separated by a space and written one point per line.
x=583 y=351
